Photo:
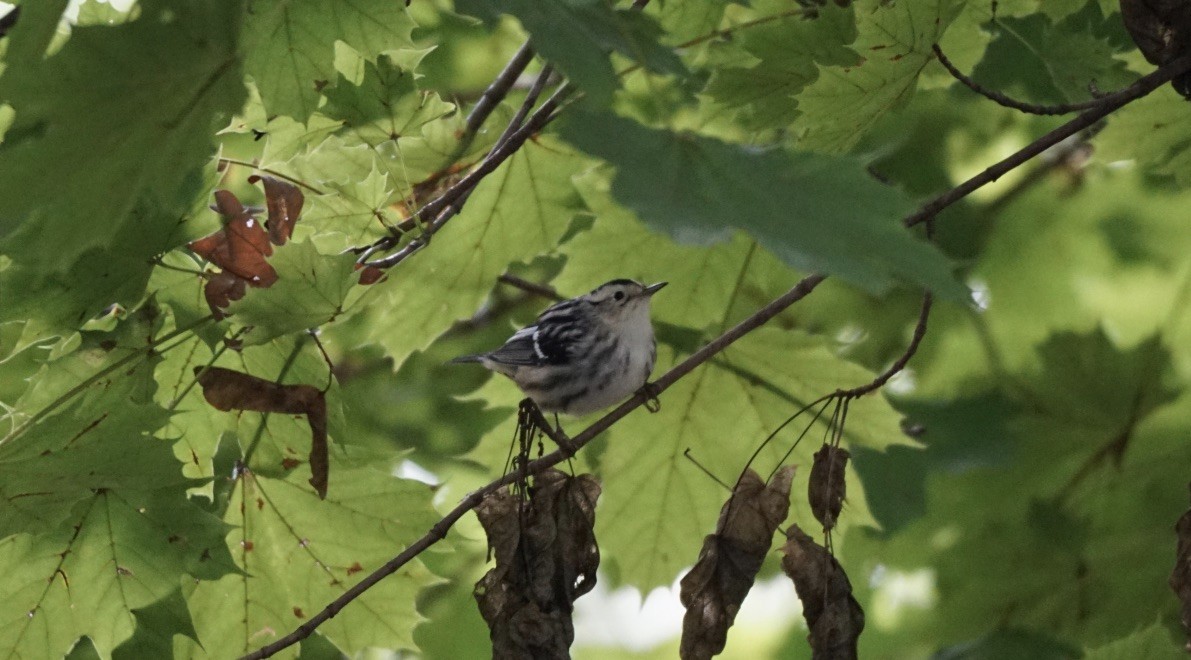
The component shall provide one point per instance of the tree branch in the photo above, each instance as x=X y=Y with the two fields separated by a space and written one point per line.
x=494 y=94
x=1008 y=102
x=439 y=211
x=1106 y=105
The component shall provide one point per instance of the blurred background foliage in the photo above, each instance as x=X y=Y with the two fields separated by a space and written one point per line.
x=1013 y=492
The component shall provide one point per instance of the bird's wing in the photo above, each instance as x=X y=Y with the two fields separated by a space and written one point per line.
x=536 y=345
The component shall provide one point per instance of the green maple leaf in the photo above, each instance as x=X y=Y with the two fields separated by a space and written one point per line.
x=297 y=553
x=816 y=212
x=578 y=36
x=894 y=45
x=312 y=289
x=291 y=46
x=121 y=550
x=178 y=77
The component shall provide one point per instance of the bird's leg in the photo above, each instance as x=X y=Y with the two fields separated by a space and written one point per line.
x=554 y=432
x=650 y=392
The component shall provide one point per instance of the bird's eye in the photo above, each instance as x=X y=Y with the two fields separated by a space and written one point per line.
x=618 y=296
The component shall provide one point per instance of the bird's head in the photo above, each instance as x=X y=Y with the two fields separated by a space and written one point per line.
x=620 y=301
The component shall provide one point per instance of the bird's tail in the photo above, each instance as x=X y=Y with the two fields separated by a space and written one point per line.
x=466 y=358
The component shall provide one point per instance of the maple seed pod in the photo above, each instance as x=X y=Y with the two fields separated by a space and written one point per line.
x=827 y=488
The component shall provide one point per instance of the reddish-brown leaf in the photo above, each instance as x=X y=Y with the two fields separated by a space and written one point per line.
x=827 y=488
x=546 y=557
x=369 y=274
x=221 y=289
x=728 y=563
x=832 y=614
x=241 y=246
x=285 y=204
x=1180 y=577
x=232 y=390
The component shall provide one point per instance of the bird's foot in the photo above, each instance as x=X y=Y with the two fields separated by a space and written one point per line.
x=651 y=392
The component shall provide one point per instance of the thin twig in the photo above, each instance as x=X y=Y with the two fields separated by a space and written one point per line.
x=900 y=363
x=1009 y=102
x=437 y=212
x=473 y=499
x=530 y=101
x=1106 y=106
x=493 y=95
x=530 y=287
x=271 y=172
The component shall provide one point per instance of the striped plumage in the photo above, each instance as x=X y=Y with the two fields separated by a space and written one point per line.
x=582 y=354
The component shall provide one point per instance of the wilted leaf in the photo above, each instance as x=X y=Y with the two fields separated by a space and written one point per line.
x=1162 y=31
x=231 y=390
x=831 y=612
x=284 y=201
x=728 y=563
x=1180 y=577
x=827 y=489
x=241 y=246
x=546 y=557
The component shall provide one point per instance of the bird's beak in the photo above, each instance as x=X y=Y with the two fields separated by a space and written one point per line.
x=654 y=288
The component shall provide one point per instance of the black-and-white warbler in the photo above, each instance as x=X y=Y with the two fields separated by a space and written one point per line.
x=582 y=354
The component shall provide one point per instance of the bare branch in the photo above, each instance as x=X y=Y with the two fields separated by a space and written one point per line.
x=530 y=287
x=900 y=363
x=1106 y=105
x=439 y=211
x=1008 y=102
x=495 y=93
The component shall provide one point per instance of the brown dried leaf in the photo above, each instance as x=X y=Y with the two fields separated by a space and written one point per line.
x=241 y=246
x=232 y=390
x=1180 y=577
x=546 y=557
x=369 y=274
x=285 y=204
x=1162 y=31
x=832 y=614
x=221 y=289
x=728 y=563
x=827 y=487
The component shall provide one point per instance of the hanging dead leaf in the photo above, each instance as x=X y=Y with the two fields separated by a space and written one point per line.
x=221 y=289
x=1162 y=31
x=827 y=488
x=728 y=563
x=241 y=247
x=832 y=614
x=369 y=274
x=284 y=201
x=232 y=390
x=1180 y=577
x=546 y=557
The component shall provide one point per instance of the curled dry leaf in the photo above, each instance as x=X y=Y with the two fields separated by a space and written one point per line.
x=832 y=614
x=546 y=557
x=827 y=488
x=728 y=563
x=241 y=248
x=1180 y=577
x=232 y=390
x=369 y=274
x=1162 y=31
x=284 y=201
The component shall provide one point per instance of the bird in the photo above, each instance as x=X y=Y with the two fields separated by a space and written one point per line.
x=584 y=354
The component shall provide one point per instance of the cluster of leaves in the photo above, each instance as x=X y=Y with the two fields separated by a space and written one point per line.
x=724 y=147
